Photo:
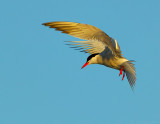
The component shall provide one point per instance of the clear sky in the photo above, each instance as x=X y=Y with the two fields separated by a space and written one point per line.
x=41 y=81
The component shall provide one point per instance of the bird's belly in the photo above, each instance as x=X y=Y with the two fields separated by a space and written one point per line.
x=110 y=63
x=107 y=62
x=114 y=63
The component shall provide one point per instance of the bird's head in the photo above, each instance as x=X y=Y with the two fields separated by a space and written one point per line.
x=92 y=59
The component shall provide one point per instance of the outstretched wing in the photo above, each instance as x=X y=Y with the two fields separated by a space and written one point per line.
x=94 y=46
x=86 y=32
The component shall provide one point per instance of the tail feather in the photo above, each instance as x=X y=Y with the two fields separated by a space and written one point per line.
x=130 y=73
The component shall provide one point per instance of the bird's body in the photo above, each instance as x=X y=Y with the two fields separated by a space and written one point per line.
x=112 y=62
x=104 y=50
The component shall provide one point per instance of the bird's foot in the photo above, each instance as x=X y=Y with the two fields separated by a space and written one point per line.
x=121 y=71
x=123 y=75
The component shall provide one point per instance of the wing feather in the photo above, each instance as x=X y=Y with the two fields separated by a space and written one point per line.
x=91 y=47
x=86 y=32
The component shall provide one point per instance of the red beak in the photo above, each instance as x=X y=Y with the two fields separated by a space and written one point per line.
x=85 y=65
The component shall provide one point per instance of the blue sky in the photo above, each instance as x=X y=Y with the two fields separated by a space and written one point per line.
x=41 y=81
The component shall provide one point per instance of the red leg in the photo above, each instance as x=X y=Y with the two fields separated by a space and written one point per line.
x=121 y=71
x=123 y=75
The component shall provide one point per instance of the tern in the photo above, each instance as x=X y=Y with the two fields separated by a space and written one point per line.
x=103 y=49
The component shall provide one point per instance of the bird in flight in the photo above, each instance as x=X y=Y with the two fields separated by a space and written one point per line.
x=103 y=49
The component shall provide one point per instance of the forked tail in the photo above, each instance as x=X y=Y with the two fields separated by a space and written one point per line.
x=130 y=73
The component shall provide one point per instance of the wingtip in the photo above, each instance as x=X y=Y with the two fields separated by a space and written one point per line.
x=45 y=24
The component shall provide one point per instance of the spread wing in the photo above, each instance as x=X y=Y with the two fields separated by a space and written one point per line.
x=86 y=32
x=94 y=46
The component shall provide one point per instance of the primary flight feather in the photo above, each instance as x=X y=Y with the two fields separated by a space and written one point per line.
x=103 y=49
